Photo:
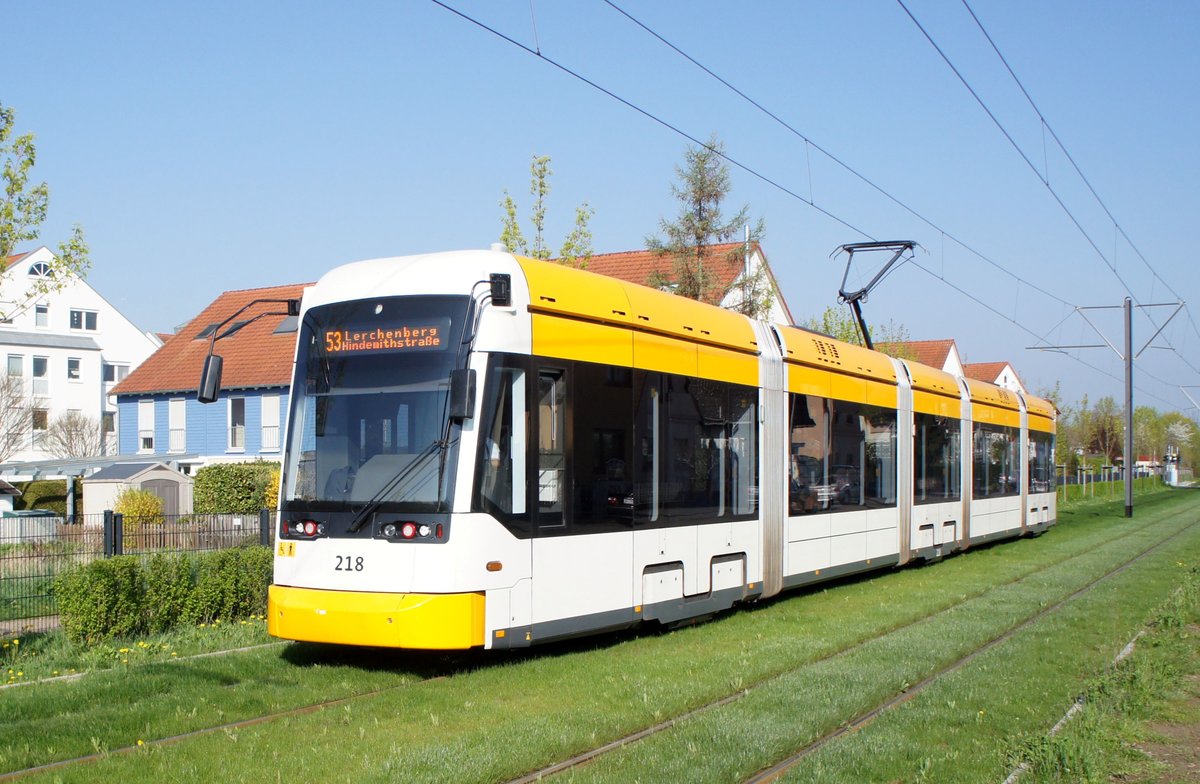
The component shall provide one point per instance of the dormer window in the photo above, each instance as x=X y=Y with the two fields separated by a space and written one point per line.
x=39 y=269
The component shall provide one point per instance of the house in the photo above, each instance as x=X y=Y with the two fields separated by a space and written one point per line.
x=64 y=352
x=940 y=354
x=729 y=264
x=1001 y=374
x=157 y=406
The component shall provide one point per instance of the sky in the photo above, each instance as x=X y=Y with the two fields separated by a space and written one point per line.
x=232 y=145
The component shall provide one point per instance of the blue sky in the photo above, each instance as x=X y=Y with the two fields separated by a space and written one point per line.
x=206 y=147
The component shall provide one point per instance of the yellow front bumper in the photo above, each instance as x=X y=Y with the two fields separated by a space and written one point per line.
x=386 y=620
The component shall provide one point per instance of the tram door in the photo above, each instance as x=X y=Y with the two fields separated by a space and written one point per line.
x=582 y=554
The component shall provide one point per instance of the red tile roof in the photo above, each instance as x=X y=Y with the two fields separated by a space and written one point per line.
x=254 y=356
x=984 y=371
x=990 y=371
x=725 y=261
x=928 y=352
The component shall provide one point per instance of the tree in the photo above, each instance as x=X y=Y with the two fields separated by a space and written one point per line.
x=23 y=209
x=1106 y=435
x=16 y=415
x=838 y=323
x=704 y=184
x=73 y=434
x=576 y=248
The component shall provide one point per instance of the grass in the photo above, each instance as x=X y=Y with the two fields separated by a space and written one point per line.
x=1124 y=704
x=496 y=718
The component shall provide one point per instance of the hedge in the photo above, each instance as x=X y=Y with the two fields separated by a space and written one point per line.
x=48 y=494
x=235 y=488
x=129 y=595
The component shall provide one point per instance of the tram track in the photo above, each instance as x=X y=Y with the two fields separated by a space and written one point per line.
x=599 y=752
x=774 y=772
x=592 y=755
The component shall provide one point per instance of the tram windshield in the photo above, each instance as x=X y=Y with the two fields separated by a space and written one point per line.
x=369 y=418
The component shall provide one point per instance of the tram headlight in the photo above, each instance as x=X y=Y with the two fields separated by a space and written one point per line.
x=423 y=531
x=390 y=530
x=408 y=530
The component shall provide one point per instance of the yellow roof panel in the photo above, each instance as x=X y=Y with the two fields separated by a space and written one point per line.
x=1040 y=407
x=816 y=350
x=564 y=291
x=992 y=395
x=928 y=379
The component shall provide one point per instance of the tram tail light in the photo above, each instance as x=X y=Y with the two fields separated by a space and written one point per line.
x=310 y=529
x=408 y=530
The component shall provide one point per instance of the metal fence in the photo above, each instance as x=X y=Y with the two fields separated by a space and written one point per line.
x=34 y=550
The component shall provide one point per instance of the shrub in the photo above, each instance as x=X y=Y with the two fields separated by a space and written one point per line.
x=105 y=598
x=168 y=586
x=127 y=595
x=237 y=488
x=139 y=507
x=271 y=497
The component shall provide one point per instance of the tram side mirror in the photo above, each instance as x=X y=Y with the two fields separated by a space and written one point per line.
x=210 y=379
x=462 y=394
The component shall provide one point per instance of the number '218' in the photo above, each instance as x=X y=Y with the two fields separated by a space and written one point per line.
x=347 y=564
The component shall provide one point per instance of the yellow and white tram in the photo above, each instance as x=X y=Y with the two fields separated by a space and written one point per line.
x=489 y=451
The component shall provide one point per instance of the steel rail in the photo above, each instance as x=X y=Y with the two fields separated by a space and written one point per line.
x=863 y=719
x=586 y=757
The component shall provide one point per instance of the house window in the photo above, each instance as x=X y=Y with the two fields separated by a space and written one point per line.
x=16 y=365
x=145 y=425
x=177 y=424
x=237 y=424
x=73 y=369
x=41 y=315
x=108 y=423
x=270 y=423
x=41 y=380
x=115 y=372
x=41 y=421
x=84 y=319
x=39 y=269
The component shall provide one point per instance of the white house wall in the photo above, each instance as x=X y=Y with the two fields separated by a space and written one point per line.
x=114 y=341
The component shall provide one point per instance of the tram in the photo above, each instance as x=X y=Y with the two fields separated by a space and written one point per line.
x=484 y=450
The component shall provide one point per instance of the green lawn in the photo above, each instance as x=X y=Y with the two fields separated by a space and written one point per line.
x=498 y=716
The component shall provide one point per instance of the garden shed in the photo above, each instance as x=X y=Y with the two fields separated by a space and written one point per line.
x=7 y=494
x=100 y=490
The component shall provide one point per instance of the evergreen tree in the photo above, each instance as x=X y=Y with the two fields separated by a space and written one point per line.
x=703 y=186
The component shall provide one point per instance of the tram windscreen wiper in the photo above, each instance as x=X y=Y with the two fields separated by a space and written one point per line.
x=364 y=514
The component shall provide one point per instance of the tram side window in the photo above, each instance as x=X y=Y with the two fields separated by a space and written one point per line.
x=937 y=451
x=648 y=448
x=1041 y=462
x=862 y=455
x=806 y=489
x=552 y=450
x=602 y=427
x=502 y=475
x=996 y=467
x=842 y=454
x=695 y=450
x=743 y=449
x=711 y=451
